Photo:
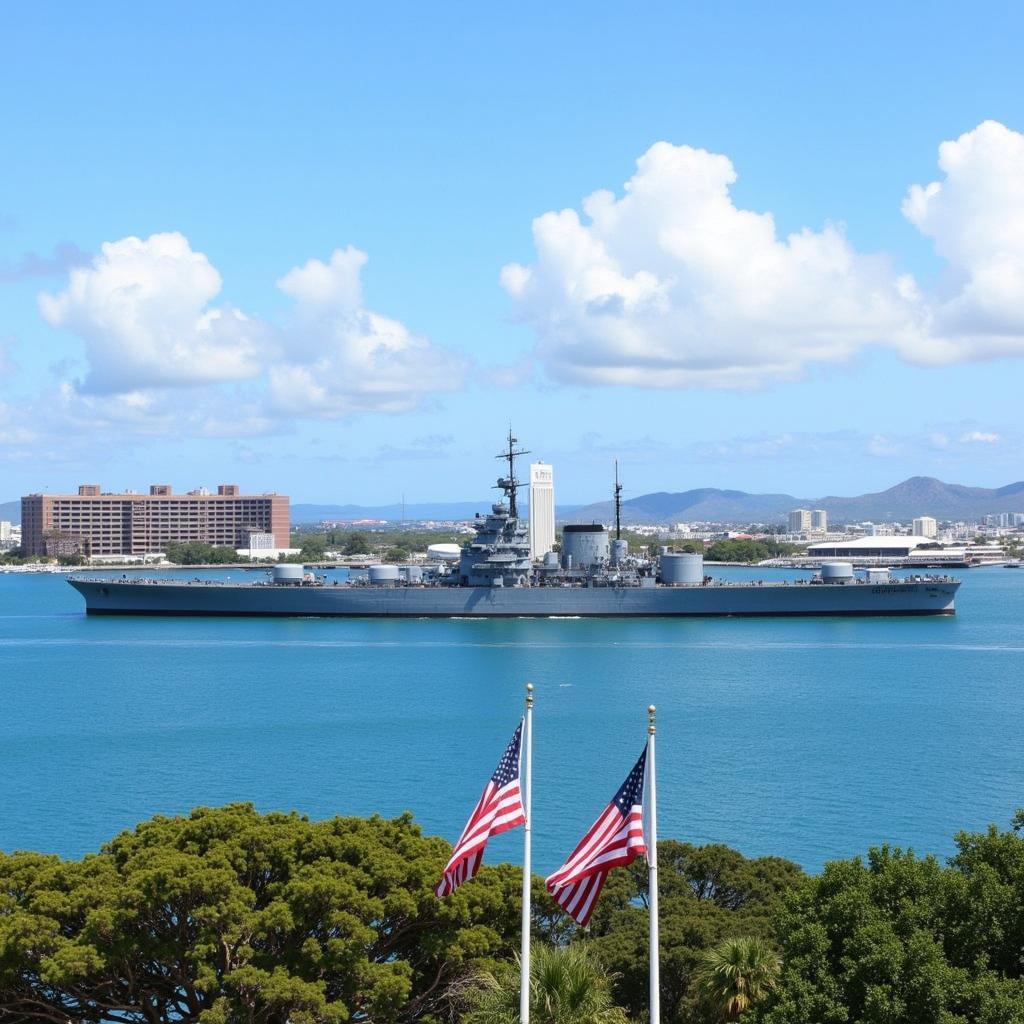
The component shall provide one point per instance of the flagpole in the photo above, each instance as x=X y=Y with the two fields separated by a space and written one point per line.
x=524 y=957
x=652 y=874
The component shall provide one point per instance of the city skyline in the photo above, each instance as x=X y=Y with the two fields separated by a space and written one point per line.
x=343 y=253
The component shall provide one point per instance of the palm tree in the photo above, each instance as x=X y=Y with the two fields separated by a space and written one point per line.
x=567 y=986
x=736 y=973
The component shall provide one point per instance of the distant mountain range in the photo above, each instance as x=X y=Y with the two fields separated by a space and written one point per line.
x=918 y=496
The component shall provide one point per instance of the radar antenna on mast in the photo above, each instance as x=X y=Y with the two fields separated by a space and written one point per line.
x=510 y=484
x=618 y=503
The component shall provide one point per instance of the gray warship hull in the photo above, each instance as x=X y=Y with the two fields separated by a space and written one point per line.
x=145 y=597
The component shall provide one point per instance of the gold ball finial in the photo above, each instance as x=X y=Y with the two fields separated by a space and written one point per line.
x=529 y=695
x=651 y=709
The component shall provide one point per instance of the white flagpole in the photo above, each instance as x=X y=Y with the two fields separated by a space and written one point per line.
x=652 y=873
x=524 y=956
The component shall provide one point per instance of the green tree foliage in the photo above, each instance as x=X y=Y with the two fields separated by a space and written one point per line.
x=195 y=552
x=312 y=547
x=750 y=550
x=356 y=544
x=567 y=986
x=738 y=551
x=706 y=894
x=406 y=540
x=228 y=916
x=903 y=940
x=381 y=543
x=736 y=974
x=231 y=916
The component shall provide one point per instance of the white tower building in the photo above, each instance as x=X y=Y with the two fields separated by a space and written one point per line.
x=819 y=520
x=800 y=520
x=925 y=526
x=542 y=509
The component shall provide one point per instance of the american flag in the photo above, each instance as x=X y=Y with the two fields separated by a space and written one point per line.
x=616 y=838
x=500 y=808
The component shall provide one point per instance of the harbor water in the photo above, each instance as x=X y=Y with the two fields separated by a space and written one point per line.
x=807 y=738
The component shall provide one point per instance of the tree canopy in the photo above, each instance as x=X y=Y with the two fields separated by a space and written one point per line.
x=739 y=550
x=194 y=552
x=356 y=544
x=706 y=894
x=900 y=939
x=228 y=915
x=736 y=974
x=312 y=546
x=568 y=985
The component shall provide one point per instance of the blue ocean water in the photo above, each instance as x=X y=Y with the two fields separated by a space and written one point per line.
x=807 y=738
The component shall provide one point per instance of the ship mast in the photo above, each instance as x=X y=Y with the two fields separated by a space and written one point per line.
x=510 y=484
x=618 y=503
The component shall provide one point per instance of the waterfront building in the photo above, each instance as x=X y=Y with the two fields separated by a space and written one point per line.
x=5 y=534
x=800 y=520
x=260 y=546
x=925 y=526
x=92 y=522
x=874 y=546
x=258 y=540
x=542 y=509
x=819 y=520
x=907 y=551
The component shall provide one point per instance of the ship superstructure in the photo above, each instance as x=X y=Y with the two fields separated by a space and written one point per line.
x=499 y=554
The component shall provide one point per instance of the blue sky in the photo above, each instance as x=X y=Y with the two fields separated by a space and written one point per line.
x=175 y=184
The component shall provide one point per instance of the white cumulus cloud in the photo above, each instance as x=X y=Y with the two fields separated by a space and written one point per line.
x=144 y=309
x=341 y=357
x=980 y=437
x=142 y=306
x=975 y=217
x=672 y=284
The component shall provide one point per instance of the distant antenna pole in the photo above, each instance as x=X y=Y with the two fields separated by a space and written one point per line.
x=510 y=485
x=618 y=503
x=403 y=510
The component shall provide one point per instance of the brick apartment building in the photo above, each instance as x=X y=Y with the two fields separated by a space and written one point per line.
x=95 y=523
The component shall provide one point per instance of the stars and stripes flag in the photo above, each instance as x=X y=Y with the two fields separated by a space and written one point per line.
x=499 y=808
x=615 y=839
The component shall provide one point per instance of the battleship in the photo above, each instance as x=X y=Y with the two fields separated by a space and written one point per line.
x=594 y=575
